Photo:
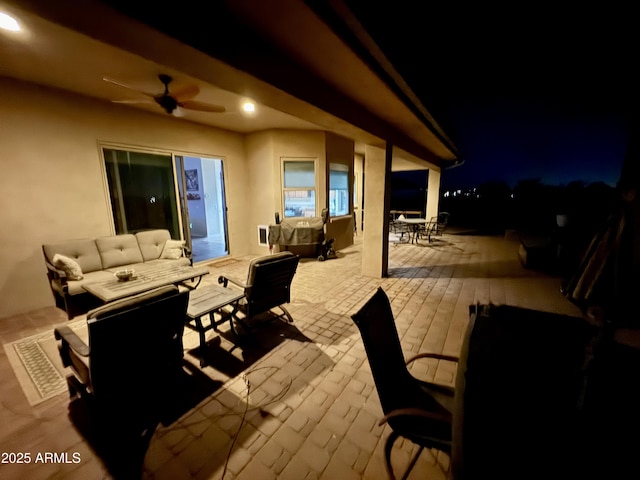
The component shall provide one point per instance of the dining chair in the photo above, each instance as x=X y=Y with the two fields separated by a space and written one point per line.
x=435 y=226
x=419 y=411
x=398 y=226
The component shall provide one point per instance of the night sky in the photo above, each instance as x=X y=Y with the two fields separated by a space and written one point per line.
x=520 y=140
x=525 y=92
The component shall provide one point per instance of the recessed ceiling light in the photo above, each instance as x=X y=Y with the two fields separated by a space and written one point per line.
x=249 y=107
x=7 y=22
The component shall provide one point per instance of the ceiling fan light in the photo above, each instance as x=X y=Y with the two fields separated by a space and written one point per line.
x=249 y=107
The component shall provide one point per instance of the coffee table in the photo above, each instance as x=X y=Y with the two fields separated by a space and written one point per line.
x=145 y=279
x=210 y=300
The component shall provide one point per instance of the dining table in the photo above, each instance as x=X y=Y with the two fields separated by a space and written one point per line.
x=414 y=224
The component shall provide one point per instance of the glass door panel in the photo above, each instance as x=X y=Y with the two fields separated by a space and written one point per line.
x=142 y=191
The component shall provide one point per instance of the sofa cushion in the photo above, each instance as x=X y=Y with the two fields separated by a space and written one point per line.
x=163 y=262
x=84 y=251
x=151 y=243
x=69 y=266
x=119 y=250
x=173 y=249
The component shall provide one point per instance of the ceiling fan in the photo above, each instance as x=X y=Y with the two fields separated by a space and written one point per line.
x=171 y=102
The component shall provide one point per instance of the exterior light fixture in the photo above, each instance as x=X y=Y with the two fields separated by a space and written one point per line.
x=7 y=22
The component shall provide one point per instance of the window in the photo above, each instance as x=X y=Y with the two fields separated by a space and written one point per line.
x=299 y=179
x=338 y=189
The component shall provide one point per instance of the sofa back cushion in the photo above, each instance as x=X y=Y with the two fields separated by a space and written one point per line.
x=151 y=243
x=119 y=250
x=84 y=251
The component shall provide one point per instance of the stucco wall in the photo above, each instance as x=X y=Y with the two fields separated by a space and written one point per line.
x=264 y=175
x=52 y=185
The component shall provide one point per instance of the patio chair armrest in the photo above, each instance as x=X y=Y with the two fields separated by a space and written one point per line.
x=70 y=341
x=226 y=280
x=438 y=356
x=55 y=274
x=415 y=412
x=69 y=337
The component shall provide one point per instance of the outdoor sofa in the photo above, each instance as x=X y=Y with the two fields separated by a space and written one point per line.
x=74 y=263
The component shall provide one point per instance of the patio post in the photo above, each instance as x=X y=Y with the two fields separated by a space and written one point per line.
x=433 y=193
x=377 y=198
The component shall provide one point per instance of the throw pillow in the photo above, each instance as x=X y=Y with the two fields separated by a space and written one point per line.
x=172 y=249
x=69 y=266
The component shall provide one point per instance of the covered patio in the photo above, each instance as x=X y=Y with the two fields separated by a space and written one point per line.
x=312 y=411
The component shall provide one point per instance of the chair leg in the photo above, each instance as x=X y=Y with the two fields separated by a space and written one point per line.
x=287 y=314
x=72 y=386
x=412 y=464
x=233 y=327
x=238 y=321
x=77 y=388
x=388 y=446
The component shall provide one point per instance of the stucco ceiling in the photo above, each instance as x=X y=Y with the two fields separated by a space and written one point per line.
x=49 y=54
x=73 y=49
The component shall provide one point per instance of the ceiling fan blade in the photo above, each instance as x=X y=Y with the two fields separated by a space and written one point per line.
x=134 y=101
x=120 y=84
x=186 y=93
x=202 y=107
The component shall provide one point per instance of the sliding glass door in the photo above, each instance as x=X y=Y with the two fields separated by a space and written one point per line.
x=184 y=194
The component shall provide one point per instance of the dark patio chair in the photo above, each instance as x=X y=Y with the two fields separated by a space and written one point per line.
x=419 y=411
x=268 y=286
x=435 y=226
x=398 y=227
x=125 y=360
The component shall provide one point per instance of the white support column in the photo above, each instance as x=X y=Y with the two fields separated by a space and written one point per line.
x=433 y=193
x=377 y=196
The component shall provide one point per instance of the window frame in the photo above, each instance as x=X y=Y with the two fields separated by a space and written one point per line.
x=346 y=170
x=314 y=189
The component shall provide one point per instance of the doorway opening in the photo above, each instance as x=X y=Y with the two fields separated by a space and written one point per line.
x=202 y=194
